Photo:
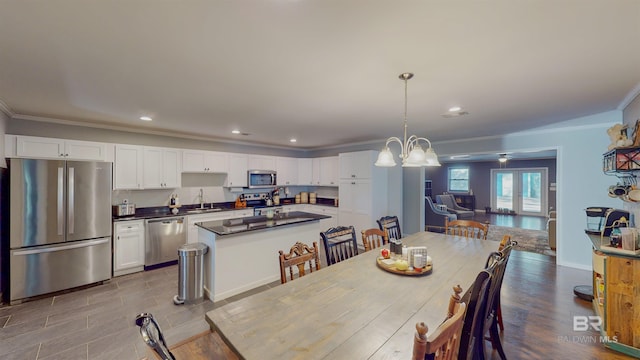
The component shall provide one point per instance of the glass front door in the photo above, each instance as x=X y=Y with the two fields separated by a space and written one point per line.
x=523 y=191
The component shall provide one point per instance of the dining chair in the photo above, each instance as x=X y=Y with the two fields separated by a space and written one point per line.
x=391 y=225
x=299 y=256
x=496 y=264
x=339 y=244
x=373 y=238
x=442 y=344
x=473 y=323
x=468 y=228
x=505 y=240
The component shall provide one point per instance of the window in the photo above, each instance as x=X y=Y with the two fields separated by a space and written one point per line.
x=459 y=179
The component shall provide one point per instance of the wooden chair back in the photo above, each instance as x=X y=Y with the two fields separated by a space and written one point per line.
x=467 y=228
x=505 y=239
x=443 y=343
x=339 y=244
x=496 y=264
x=473 y=323
x=373 y=238
x=506 y=245
x=391 y=225
x=298 y=257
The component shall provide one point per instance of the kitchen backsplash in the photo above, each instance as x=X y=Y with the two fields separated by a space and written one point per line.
x=212 y=194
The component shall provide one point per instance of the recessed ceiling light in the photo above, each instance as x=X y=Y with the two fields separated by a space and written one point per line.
x=293 y=140
x=145 y=118
x=455 y=108
x=235 y=131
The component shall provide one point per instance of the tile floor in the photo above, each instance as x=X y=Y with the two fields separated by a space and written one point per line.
x=98 y=322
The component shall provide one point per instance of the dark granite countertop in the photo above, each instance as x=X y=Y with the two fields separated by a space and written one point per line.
x=257 y=223
x=193 y=209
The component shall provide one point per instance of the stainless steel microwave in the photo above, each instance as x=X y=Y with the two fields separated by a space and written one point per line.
x=261 y=179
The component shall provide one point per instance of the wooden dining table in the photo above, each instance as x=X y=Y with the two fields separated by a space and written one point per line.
x=353 y=309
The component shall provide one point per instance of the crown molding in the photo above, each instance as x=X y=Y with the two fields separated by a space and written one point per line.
x=4 y=108
x=630 y=97
x=139 y=130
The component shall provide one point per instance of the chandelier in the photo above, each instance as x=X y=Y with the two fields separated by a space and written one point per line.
x=411 y=152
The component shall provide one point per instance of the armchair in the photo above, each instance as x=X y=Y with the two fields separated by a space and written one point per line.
x=453 y=207
x=434 y=218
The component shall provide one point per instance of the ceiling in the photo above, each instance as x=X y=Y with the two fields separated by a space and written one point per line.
x=323 y=72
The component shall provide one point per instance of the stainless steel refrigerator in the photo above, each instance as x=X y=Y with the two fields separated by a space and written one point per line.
x=60 y=225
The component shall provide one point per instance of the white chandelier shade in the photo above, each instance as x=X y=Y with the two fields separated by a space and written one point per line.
x=411 y=152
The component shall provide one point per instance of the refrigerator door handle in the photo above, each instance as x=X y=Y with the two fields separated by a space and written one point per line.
x=60 y=248
x=60 y=211
x=71 y=203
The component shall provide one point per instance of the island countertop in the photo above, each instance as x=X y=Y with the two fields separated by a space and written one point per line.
x=256 y=223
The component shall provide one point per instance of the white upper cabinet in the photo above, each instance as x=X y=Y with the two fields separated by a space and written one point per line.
x=195 y=161
x=50 y=148
x=161 y=168
x=237 y=170
x=329 y=171
x=305 y=171
x=325 y=171
x=287 y=171
x=357 y=165
x=262 y=163
x=127 y=168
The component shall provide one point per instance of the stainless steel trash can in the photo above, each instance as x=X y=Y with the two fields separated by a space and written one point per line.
x=190 y=273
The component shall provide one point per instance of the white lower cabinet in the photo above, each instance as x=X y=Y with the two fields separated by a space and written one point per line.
x=324 y=210
x=128 y=247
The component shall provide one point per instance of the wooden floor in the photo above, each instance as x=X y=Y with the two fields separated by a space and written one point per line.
x=518 y=221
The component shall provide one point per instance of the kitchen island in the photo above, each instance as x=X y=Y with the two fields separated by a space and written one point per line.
x=243 y=252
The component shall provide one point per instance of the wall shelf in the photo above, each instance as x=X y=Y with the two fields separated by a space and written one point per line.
x=621 y=160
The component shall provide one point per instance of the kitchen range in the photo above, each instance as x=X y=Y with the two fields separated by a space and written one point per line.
x=60 y=225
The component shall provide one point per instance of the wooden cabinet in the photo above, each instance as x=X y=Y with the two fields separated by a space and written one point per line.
x=287 y=171
x=466 y=201
x=616 y=300
x=194 y=161
x=428 y=189
x=128 y=247
x=305 y=171
x=127 y=167
x=237 y=170
x=50 y=148
x=160 y=168
x=262 y=163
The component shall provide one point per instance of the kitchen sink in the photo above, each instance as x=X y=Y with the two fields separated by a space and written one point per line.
x=200 y=211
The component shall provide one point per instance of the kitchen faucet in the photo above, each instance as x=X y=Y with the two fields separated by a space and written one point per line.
x=201 y=199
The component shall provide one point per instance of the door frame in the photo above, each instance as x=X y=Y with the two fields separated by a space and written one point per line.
x=544 y=191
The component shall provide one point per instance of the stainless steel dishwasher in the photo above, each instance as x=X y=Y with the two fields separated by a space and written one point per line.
x=164 y=237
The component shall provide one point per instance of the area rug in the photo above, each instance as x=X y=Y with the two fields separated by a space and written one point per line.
x=536 y=241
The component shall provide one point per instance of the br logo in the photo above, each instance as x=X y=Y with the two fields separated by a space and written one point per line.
x=582 y=323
